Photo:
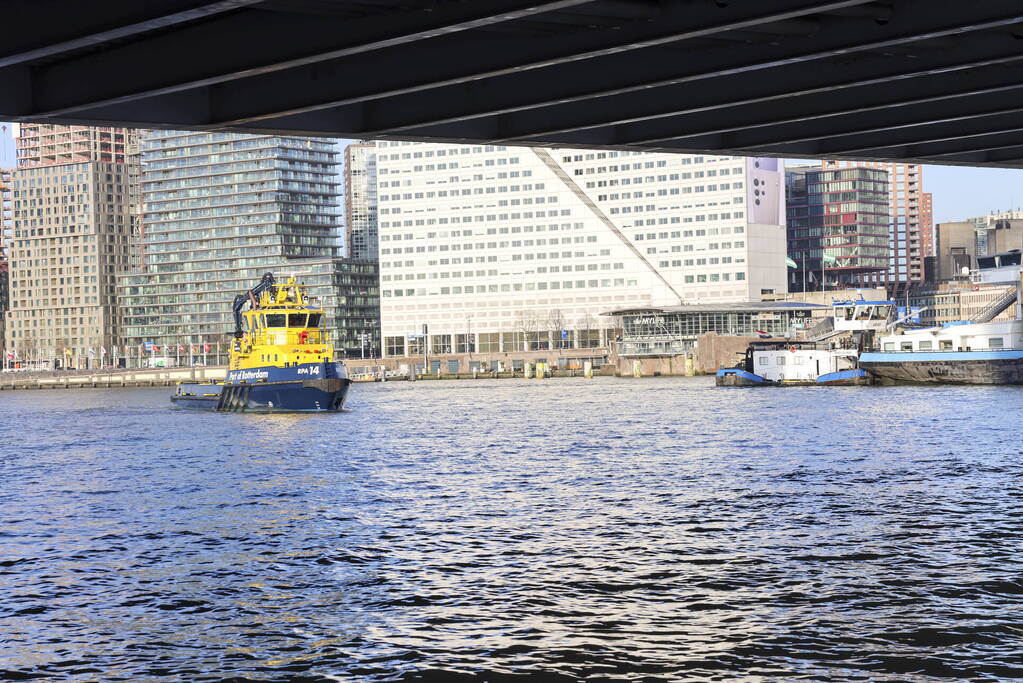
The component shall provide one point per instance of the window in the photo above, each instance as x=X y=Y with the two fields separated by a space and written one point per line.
x=995 y=343
x=275 y=320
x=926 y=345
x=905 y=346
x=889 y=346
x=395 y=346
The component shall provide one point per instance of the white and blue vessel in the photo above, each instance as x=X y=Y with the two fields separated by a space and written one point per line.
x=980 y=350
x=829 y=359
x=978 y=353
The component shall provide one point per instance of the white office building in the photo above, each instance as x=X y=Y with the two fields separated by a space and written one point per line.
x=501 y=249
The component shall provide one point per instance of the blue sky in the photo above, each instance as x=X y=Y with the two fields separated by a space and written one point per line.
x=959 y=192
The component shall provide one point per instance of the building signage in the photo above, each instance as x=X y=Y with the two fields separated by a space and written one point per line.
x=765 y=191
x=239 y=375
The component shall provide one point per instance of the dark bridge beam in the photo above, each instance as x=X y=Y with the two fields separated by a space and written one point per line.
x=916 y=80
x=250 y=43
x=807 y=98
x=470 y=58
x=947 y=139
x=913 y=137
x=903 y=113
x=46 y=29
x=663 y=66
x=1009 y=153
x=978 y=94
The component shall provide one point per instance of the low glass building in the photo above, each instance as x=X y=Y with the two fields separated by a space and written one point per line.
x=673 y=330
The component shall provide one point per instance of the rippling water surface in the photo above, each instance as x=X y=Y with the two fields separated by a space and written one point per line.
x=567 y=530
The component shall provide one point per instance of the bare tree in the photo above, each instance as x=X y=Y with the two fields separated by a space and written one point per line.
x=556 y=322
x=587 y=322
x=527 y=322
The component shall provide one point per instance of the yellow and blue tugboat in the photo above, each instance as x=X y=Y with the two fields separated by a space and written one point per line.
x=280 y=359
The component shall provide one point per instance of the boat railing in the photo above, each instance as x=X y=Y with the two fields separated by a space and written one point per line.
x=822 y=328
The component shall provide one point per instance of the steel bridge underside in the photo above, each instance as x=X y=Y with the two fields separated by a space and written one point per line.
x=929 y=81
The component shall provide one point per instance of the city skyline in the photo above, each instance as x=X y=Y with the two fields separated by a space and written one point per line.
x=959 y=192
x=735 y=206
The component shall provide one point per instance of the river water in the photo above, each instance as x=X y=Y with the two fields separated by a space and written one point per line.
x=513 y=530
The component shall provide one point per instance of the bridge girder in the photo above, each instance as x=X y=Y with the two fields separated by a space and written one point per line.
x=931 y=81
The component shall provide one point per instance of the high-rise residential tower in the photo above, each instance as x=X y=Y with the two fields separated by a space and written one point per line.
x=6 y=211
x=50 y=144
x=927 y=236
x=221 y=209
x=5 y=236
x=6 y=359
x=837 y=226
x=71 y=235
x=497 y=249
x=361 y=200
x=911 y=230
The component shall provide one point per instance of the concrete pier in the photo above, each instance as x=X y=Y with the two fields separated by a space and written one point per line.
x=156 y=377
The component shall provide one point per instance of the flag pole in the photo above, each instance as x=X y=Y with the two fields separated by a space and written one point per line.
x=824 y=267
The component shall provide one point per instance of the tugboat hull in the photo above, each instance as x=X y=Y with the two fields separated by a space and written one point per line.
x=270 y=389
x=955 y=367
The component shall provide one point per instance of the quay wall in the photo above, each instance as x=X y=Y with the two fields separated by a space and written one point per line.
x=711 y=352
x=156 y=377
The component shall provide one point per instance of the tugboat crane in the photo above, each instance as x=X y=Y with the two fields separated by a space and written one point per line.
x=252 y=297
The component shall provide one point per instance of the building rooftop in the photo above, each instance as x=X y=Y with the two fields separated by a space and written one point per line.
x=734 y=307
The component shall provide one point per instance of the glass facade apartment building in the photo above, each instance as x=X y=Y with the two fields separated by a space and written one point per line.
x=911 y=223
x=837 y=226
x=361 y=200
x=501 y=249
x=221 y=209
